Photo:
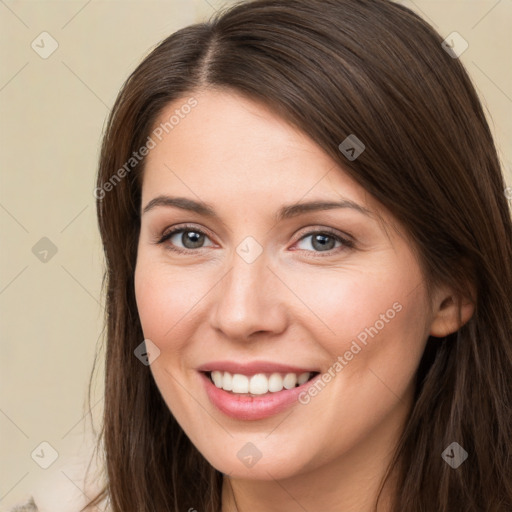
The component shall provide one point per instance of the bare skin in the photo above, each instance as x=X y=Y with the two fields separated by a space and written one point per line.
x=300 y=303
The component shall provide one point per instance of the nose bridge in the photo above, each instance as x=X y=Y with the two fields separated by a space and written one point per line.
x=245 y=302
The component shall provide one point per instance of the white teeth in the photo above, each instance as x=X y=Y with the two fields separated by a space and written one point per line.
x=217 y=378
x=227 y=381
x=303 y=378
x=258 y=384
x=240 y=383
x=290 y=380
x=275 y=383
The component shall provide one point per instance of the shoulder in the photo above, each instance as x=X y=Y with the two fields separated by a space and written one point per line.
x=31 y=505
x=77 y=476
x=64 y=489
x=27 y=506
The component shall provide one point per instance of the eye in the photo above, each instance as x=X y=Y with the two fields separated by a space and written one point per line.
x=192 y=238
x=325 y=240
x=189 y=236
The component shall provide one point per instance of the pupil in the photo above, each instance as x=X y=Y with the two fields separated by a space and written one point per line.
x=322 y=240
x=192 y=240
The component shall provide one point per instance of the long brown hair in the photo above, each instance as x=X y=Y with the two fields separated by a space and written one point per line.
x=332 y=68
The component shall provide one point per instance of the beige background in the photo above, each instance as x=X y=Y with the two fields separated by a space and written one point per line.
x=52 y=112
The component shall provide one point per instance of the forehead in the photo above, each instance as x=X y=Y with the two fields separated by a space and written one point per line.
x=231 y=144
x=233 y=129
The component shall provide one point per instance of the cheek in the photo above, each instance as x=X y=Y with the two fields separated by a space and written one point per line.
x=384 y=335
x=380 y=336
x=351 y=304
x=373 y=326
x=165 y=300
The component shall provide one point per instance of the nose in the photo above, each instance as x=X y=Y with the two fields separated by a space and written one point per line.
x=249 y=300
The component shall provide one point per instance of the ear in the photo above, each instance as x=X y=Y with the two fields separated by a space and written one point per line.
x=450 y=312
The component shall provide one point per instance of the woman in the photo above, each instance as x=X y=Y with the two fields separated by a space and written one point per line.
x=308 y=251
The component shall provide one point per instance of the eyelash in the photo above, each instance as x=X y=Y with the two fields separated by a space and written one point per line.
x=346 y=244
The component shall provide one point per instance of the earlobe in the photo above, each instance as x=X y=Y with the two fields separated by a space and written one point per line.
x=451 y=314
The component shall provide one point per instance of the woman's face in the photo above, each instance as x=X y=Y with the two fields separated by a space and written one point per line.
x=260 y=281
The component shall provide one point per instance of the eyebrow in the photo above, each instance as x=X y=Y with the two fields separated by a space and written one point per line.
x=286 y=212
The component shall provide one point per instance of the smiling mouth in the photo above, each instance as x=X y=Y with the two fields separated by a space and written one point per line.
x=259 y=383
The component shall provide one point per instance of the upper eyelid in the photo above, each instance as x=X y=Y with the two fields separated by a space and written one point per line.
x=178 y=228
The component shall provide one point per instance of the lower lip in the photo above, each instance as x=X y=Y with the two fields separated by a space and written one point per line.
x=242 y=407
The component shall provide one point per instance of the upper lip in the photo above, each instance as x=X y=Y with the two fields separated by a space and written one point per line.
x=253 y=367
